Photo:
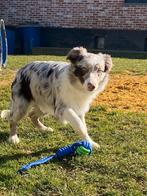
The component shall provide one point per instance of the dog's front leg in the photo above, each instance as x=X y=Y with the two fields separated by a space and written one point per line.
x=82 y=117
x=78 y=125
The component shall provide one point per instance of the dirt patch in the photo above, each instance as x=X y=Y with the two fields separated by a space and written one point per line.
x=6 y=78
x=125 y=92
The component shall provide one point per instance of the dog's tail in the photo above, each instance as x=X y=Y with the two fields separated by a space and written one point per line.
x=5 y=115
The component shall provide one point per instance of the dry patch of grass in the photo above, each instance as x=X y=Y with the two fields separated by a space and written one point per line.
x=125 y=92
x=6 y=77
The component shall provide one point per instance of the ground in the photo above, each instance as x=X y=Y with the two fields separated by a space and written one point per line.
x=117 y=120
x=125 y=92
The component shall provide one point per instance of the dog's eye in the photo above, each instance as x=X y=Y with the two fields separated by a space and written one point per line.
x=95 y=68
x=80 y=71
x=99 y=71
x=83 y=70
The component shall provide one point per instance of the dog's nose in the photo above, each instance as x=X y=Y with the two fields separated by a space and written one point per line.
x=90 y=86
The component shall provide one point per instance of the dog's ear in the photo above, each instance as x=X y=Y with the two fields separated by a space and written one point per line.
x=76 y=54
x=108 y=62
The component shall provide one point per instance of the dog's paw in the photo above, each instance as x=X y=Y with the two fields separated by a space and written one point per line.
x=5 y=115
x=44 y=128
x=95 y=145
x=13 y=139
x=65 y=122
x=49 y=129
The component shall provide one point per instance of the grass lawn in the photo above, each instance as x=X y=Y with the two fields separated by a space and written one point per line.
x=118 y=168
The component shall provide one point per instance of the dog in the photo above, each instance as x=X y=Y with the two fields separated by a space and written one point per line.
x=64 y=90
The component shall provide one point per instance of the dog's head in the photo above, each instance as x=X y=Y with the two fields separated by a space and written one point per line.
x=87 y=68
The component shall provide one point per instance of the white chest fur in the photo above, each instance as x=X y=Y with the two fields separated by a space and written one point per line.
x=77 y=99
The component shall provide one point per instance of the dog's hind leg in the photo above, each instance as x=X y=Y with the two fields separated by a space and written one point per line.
x=78 y=125
x=18 y=109
x=35 y=114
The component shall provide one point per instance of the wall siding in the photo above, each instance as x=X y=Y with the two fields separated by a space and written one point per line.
x=97 y=14
x=114 y=39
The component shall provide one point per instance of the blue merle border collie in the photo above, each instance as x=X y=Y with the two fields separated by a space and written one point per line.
x=64 y=90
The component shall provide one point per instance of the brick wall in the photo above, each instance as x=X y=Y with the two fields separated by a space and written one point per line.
x=98 y=14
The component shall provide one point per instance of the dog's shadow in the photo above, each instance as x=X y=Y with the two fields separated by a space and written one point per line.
x=64 y=163
x=67 y=163
x=3 y=136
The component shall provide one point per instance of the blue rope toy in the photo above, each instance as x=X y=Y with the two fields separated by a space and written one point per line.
x=3 y=44
x=78 y=148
